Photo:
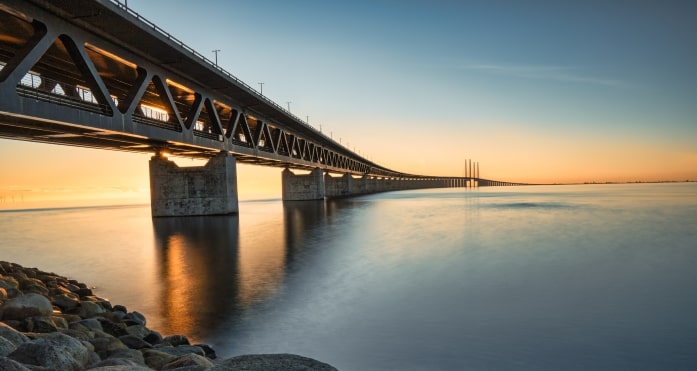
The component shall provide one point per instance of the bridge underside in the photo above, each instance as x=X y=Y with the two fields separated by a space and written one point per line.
x=91 y=73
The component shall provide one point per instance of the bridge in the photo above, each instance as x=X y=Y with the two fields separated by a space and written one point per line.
x=94 y=73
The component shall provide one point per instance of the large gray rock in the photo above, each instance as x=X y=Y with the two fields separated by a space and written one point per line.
x=107 y=345
x=156 y=359
x=121 y=368
x=65 y=301
x=29 y=305
x=7 y=364
x=12 y=335
x=53 y=351
x=6 y=347
x=134 y=342
x=188 y=360
x=272 y=362
x=181 y=350
x=90 y=309
x=8 y=282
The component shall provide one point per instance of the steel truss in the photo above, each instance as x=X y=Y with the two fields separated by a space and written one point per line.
x=91 y=73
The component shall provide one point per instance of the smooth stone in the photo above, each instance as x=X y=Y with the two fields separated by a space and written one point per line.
x=153 y=337
x=65 y=302
x=3 y=294
x=121 y=368
x=89 y=309
x=156 y=359
x=272 y=362
x=8 y=282
x=7 y=364
x=134 y=342
x=107 y=345
x=207 y=350
x=6 y=347
x=90 y=323
x=113 y=328
x=188 y=360
x=56 y=352
x=40 y=324
x=129 y=354
x=14 y=336
x=135 y=318
x=120 y=308
x=138 y=330
x=181 y=350
x=29 y=305
x=33 y=285
x=176 y=340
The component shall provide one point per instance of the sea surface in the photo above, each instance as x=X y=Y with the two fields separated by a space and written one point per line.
x=588 y=277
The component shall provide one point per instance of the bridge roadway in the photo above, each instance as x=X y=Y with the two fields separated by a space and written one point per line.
x=93 y=73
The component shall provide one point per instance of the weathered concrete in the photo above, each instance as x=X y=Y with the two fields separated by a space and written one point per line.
x=303 y=187
x=199 y=190
x=339 y=186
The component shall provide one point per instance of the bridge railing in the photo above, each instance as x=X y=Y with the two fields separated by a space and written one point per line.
x=191 y=50
x=42 y=88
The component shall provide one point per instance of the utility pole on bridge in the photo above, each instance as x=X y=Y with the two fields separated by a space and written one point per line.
x=216 y=56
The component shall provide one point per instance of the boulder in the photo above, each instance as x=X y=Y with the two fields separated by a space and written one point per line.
x=40 y=324
x=120 y=367
x=6 y=347
x=156 y=359
x=89 y=309
x=7 y=364
x=12 y=335
x=54 y=351
x=107 y=345
x=272 y=362
x=181 y=350
x=65 y=301
x=188 y=360
x=33 y=285
x=134 y=342
x=29 y=305
x=138 y=330
x=134 y=318
x=176 y=340
x=153 y=337
x=8 y=282
x=131 y=355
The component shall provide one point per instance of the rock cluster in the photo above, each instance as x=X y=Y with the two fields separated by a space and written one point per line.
x=49 y=322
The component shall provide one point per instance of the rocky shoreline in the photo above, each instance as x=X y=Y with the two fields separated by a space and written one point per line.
x=50 y=322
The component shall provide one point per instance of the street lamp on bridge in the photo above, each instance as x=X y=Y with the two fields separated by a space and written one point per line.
x=216 y=56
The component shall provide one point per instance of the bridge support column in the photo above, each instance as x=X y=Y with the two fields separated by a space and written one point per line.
x=338 y=186
x=198 y=190
x=303 y=187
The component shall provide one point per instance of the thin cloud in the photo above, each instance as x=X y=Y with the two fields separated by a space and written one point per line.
x=549 y=73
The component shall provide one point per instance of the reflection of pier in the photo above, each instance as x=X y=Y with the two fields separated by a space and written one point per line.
x=197 y=267
x=211 y=268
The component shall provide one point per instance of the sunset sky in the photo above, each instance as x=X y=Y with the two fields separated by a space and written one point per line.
x=536 y=91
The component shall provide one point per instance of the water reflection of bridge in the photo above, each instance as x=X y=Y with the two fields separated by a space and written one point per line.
x=93 y=73
x=212 y=269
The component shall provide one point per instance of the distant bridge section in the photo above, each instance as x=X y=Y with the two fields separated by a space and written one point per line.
x=93 y=73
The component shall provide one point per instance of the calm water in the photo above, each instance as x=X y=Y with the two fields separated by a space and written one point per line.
x=544 y=278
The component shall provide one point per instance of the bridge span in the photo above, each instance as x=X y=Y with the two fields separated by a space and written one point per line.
x=93 y=73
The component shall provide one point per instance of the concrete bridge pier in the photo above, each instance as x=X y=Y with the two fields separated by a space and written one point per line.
x=199 y=190
x=339 y=186
x=303 y=187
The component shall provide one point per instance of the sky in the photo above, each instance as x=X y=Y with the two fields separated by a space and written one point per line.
x=535 y=91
